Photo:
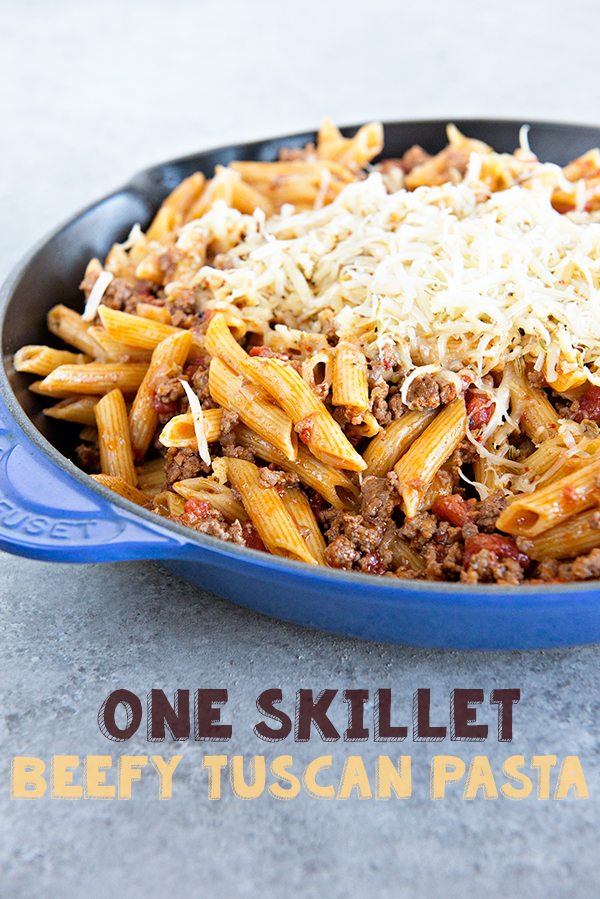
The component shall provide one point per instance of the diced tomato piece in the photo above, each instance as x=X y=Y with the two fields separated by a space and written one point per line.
x=501 y=547
x=479 y=410
x=589 y=405
x=252 y=537
x=452 y=509
x=199 y=508
x=165 y=408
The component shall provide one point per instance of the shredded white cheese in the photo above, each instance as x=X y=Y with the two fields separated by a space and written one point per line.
x=96 y=294
x=442 y=277
x=198 y=417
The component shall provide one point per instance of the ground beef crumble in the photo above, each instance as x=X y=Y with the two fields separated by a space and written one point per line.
x=274 y=477
x=183 y=463
x=88 y=458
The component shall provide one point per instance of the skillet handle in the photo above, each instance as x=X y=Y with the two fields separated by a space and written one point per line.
x=46 y=514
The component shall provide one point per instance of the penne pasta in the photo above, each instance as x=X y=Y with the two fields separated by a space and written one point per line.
x=111 y=350
x=356 y=151
x=573 y=537
x=133 y=330
x=143 y=419
x=179 y=431
x=268 y=513
x=70 y=327
x=176 y=207
x=330 y=483
x=350 y=386
x=532 y=514
x=114 y=441
x=154 y=313
x=151 y=477
x=219 y=496
x=388 y=446
x=78 y=409
x=321 y=433
x=420 y=463
x=531 y=407
x=41 y=360
x=169 y=504
x=255 y=409
x=96 y=377
x=127 y=491
x=297 y=504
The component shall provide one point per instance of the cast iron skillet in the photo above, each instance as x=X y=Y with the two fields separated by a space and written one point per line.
x=50 y=510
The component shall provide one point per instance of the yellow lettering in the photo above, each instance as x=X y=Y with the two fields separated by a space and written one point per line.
x=62 y=777
x=390 y=777
x=214 y=764
x=480 y=777
x=258 y=777
x=544 y=764
x=279 y=768
x=571 y=777
x=445 y=769
x=310 y=778
x=512 y=768
x=130 y=769
x=354 y=777
x=165 y=768
x=95 y=777
x=27 y=777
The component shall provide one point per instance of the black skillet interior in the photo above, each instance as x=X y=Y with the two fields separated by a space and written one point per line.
x=52 y=273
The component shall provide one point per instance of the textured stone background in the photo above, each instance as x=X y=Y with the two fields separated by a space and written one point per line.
x=91 y=92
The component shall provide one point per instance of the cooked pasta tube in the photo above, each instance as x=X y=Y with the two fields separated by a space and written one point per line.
x=70 y=327
x=179 y=431
x=321 y=433
x=111 y=350
x=388 y=446
x=442 y=485
x=316 y=371
x=41 y=360
x=95 y=377
x=168 y=504
x=530 y=406
x=133 y=330
x=330 y=483
x=572 y=538
x=485 y=473
x=219 y=496
x=297 y=504
x=114 y=441
x=406 y=557
x=143 y=419
x=536 y=512
x=154 y=313
x=151 y=476
x=368 y=427
x=220 y=342
x=174 y=209
x=127 y=491
x=420 y=463
x=253 y=406
x=76 y=409
x=350 y=386
x=358 y=150
x=228 y=185
x=89 y=434
x=268 y=513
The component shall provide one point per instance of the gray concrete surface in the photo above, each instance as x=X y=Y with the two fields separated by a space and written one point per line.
x=91 y=92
